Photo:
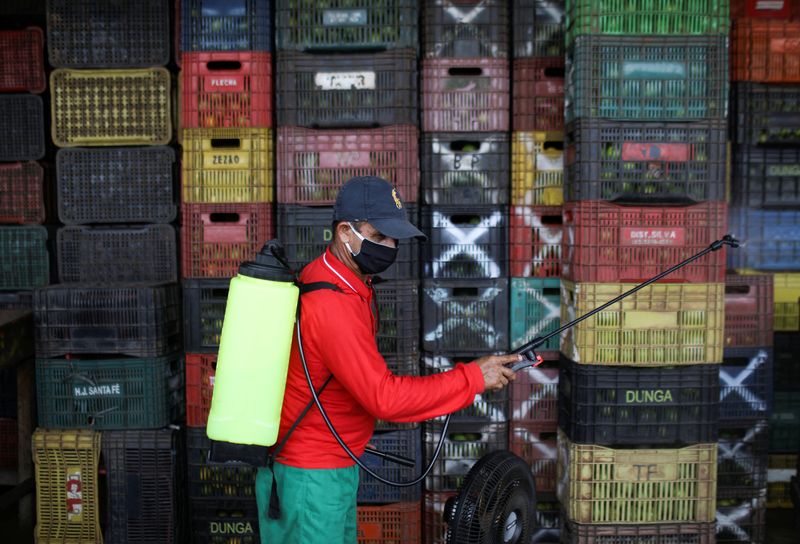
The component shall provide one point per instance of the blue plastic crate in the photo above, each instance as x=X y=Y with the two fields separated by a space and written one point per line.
x=771 y=239
x=226 y=25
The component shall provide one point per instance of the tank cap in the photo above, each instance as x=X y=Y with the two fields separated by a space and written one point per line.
x=270 y=264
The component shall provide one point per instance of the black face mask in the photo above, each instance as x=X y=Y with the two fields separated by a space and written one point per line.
x=372 y=258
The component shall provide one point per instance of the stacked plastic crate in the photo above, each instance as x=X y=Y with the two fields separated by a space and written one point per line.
x=227 y=193
x=645 y=164
x=24 y=259
x=537 y=166
x=346 y=101
x=108 y=368
x=765 y=197
x=465 y=155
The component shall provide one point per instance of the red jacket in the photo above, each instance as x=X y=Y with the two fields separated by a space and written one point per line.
x=339 y=331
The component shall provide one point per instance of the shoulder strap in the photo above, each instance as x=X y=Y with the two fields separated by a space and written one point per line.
x=317 y=286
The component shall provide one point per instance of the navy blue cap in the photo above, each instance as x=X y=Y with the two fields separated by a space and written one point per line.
x=375 y=200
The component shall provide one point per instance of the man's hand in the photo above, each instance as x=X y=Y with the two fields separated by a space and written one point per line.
x=496 y=374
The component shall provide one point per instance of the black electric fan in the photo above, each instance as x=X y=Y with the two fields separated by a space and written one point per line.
x=497 y=499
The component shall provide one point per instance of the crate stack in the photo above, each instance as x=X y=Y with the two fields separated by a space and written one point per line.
x=227 y=214
x=109 y=375
x=534 y=245
x=765 y=198
x=465 y=169
x=645 y=166
x=24 y=258
x=346 y=105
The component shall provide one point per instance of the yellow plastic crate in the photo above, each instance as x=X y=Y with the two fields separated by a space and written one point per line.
x=537 y=168
x=602 y=485
x=780 y=470
x=664 y=324
x=786 y=298
x=67 y=505
x=227 y=165
x=111 y=107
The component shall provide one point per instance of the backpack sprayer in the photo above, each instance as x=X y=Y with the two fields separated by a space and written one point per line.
x=251 y=376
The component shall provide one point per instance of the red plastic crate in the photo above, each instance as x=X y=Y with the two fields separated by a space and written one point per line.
x=22 y=193
x=609 y=243
x=226 y=89
x=22 y=61
x=765 y=50
x=535 y=238
x=313 y=164
x=539 y=449
x=200 y=370
x=533 y=398
x=765 y=9
x=465 y=95
x=748 y=311
x=217 y=238
x=8 y=444
x=538 y=94
x=396 y=523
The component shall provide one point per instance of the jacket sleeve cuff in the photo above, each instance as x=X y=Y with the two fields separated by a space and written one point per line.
x=475 y=377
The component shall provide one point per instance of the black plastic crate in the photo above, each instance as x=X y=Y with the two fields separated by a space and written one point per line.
x=465 y=28
x=538 y=28
x=140 y=320
x=646 y=78
x=113 y=255
x=464 y=444
x=623 y=406
x=346 y=25
x=406 y=443
x=643 y=533
x=306 y=231
x=116 y=185
x=16 y=300
x=645 y=161
x=465 y=316
x=465 y=169
x=144 y=393
x=215 y=480
x=786 y=368
x=488 y=407
x=343 y=91
x=742 y=520
x=745 y=384
x=204 y=304
x=8 y=391
x=765 y=114
x=144 y=478
x=216 y=521
x=398 y=325
x=24 y=260
x=21 y=127
x=119 y=34
x=547 y=519
x=465 y=241
x=742 y=458
x=220 y=25
x=766 y=178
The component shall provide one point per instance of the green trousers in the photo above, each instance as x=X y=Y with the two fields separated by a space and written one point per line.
x=317 y=505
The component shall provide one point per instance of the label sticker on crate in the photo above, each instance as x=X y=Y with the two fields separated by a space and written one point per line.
x=631 y=236
x=331 y=81
x=344 y=159
x=104 y=390
x=639 y=151
x=74 y=485
x=223 y=84
x=342 y=17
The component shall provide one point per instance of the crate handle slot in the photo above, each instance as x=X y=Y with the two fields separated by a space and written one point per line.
x=557 y=145
x=465 y=71
x=465 y=219
x=551 y=291
x=465 y=437
x=737 y=289
x=555 y=72
x=465 y=292
x=226 y=65
x=226 y=143
x=219 y=292
x=552 y=220
x=735 y=361
x=223 y=217
x=459 y=145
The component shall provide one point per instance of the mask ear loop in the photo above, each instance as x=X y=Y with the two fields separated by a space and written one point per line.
x=358 y=234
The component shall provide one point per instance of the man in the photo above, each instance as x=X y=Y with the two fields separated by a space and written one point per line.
x=316 y=481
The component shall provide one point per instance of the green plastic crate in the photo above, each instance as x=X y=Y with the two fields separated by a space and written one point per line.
x=24 y=261
x=109 y=393
x=535 y=310
x=648 y=17
x=784 y=423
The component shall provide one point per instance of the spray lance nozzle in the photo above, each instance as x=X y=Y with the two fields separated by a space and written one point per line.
x=528 y=351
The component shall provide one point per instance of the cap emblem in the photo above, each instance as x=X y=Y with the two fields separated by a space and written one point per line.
x=397 y=200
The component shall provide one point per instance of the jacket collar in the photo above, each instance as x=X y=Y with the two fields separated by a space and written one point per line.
x=345 y=275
